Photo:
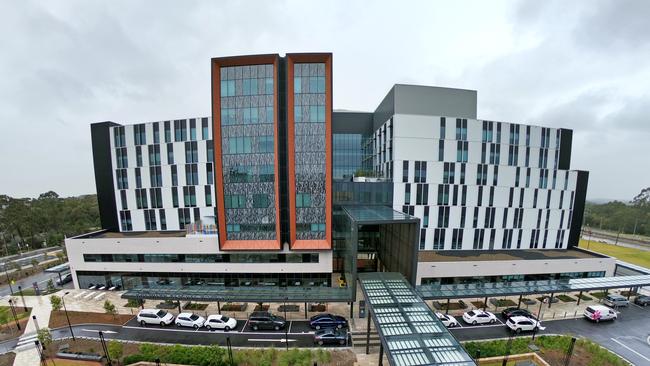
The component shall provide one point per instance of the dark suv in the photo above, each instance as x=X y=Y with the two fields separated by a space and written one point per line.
x=327 y=321
x=510 y=312
x=266 y=320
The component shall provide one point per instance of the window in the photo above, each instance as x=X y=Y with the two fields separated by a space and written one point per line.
x=184 y=217
x=423 y=236
x=443 y=124
x=479 y=236
x=405 y=171
x=448 y=173
x=420 y=171
x=239 y=145
x=441 y=150
x=170 y=153
x=462 y=173
x=189 y=196
x=138 y=178
x=461 y=129
x=303 y=200
x=121 y=158
x=118 y=137
x=407 y=194
x=155 y=175
x=208 y=196
x=155 y=195
x=422 y=194
x=443 y=194
x=122 y=179
x=138 y=156
x=209 y=150
x=168 y=132
x=191 y=152
x=209 y=173
x=175 y=196
x=125 y=221
x=174 y=176
x=154 y=154
x=205 y=132
x=261 y=200
x=193 y=129
x=150 y=220
x=495 y=176
x=438 y=239
x=463 y=214
x=425 y=218
x=139 y=135
x=462 y=148
x=180 y=130
x=191 y=174
x=141 y=198
x=481 y=174
x=457 y=239
x=163 y=220
x=443 y=216
x=517 y=173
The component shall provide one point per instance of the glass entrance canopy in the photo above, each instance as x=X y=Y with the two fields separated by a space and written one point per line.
x=409 y=331
x=456 y=291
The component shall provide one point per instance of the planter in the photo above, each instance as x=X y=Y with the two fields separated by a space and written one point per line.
x=288 y=308
x=261 y=308
x=234 y=307
x=317 y=307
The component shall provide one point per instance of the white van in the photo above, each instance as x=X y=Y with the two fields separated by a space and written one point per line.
x=599 y=312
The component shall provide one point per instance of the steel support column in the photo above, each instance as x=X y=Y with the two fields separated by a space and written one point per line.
x=485 y=303
x=381 y=354
x=550 y=300
x=447 y=309
x=368 y=334
x=519 y=303
x=579 y=298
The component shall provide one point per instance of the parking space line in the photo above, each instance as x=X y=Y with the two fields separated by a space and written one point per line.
x=290 y=324
x=638 y=306
x=244 y=327
x=209 y=331
x=632 y=350
x=79 y=294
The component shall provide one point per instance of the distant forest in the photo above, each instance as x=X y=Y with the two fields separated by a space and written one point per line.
x=629 y=218
x=32 y=223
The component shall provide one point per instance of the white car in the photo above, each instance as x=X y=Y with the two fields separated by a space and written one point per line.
x=479 y=317
x=522 y=323
x=447 y=320
x=218 y=321
x=190 y=320
x=154 y=316
x=599 y=312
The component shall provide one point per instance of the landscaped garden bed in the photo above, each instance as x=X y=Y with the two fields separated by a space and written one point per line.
x=168 y=305
x=288 y=308
x=528 y=301
x=128 y=353
x=553 y=350
x=585 y=297
x=478 y=304
x=546 y=299
x=565 y=298
x=317 y=307
x=58 y=319
x=500 y=303
x=234 y=307
x=262 y=307
x=8 y=327
x=133 y=303
x=452 y=305
x=194 y=306
x=7 y=359
x=599 y=295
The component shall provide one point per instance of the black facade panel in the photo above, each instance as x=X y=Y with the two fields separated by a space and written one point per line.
x=352 y=122
x=566 y=138
x=282 y=147
x=101 y=142
x=578 y=208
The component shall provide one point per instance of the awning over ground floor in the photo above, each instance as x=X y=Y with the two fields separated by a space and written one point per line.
x=61 y=268
x=242 y=294
x=491 y=289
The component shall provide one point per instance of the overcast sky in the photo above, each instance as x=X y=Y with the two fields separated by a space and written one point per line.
x=583 y=65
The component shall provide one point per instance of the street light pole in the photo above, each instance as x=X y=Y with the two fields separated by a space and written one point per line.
x=108 y=358
x=538 y=320
x=286 y=328
x=20 y=289
x=66 y=315
x=13 y=311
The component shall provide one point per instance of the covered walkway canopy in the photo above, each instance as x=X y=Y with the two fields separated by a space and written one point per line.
x=241 y=294
x=409 y=331
x=457 y=291
x=61 y=268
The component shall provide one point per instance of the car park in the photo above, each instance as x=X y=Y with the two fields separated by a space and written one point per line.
x=615 y=300
x=599 y=313
x=331 y=336
x=479 y=317
x=510 y=312
x=64 y=279
x=447 y=320
x=642 y=300
x=154 y=316
x=266 y=320
x=327 y=321
x=218 y=321
x=189 y=320
x=521 y=323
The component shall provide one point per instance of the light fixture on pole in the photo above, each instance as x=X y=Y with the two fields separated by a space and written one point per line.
x=66 y=315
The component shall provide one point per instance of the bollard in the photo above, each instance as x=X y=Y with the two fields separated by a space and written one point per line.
x=553 y=315
x=565 y=314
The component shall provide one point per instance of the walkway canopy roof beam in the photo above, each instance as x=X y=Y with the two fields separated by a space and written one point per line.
x=64 y=267
x=241 y=294
x=409 y=331
x=458 y=291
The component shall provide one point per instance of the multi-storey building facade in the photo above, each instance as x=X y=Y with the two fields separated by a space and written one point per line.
x=277 y=189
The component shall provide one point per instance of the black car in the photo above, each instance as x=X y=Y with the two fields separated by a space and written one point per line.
x=642 y=300
x=331 y=336
x=266 y=320
x=510 y=312
x=64 y=279
x=327 y=321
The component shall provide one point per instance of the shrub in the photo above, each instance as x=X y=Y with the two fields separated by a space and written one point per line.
x=56 y=302
x=44 y=336
x=110 y=308
x=50 y=286
x=115 y=350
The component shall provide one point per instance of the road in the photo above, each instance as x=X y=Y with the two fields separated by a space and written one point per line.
x=299 y=334
x=626 y=336
x=623 y=242
x=27 y=282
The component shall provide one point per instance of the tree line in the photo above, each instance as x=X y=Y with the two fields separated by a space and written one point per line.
x=32 y=223
x=626 y=217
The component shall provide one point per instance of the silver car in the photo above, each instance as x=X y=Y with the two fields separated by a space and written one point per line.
x=614 y=300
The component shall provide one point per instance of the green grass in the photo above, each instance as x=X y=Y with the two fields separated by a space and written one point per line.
x=585 y=297
x=6 y=316
x=565 y=298
x=599 y=295
x=632 y=255
x=31 y=292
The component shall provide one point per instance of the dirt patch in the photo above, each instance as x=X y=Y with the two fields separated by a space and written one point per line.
x=479 y=304
x=346 y=357
x=7 y=359
x=58 y=319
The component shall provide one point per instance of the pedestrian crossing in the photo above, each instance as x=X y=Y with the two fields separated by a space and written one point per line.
x=26 y=341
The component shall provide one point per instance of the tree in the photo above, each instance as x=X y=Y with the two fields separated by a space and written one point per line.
x=50 y=286
x=44 y=336
x=34 y=263
x=109 y=307
x=56 y=302
x=48 y=195
x=115 y=350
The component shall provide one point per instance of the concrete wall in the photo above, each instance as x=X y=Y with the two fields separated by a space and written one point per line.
x=513 y=267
